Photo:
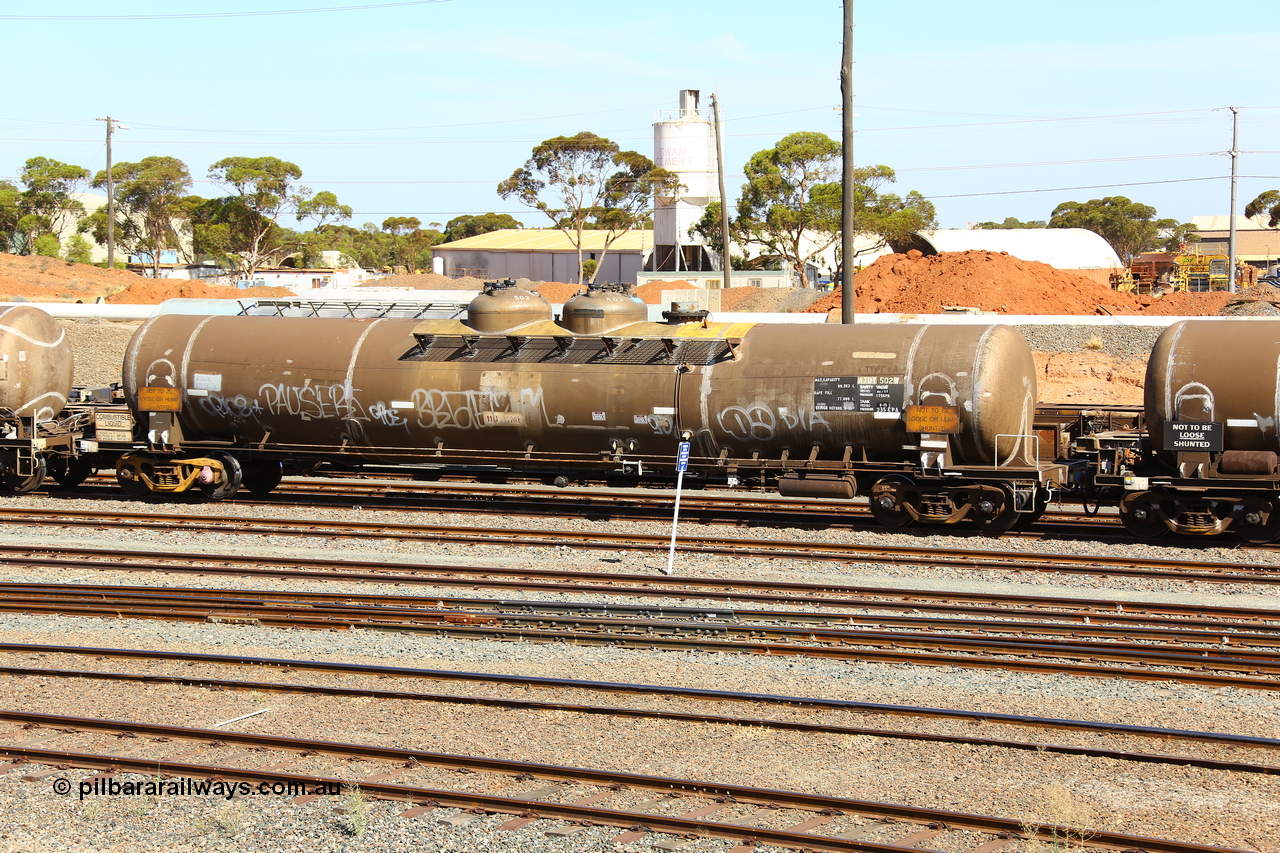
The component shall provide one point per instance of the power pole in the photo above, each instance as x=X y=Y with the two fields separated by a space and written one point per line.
x=847 y=232
x=111 y=198
x=724 y=200
x=1231 y=235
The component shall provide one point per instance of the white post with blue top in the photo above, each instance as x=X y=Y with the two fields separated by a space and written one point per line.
x=682 y=464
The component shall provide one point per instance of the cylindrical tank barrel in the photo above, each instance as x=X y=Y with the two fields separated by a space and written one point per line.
x=335 y=383
x=1224 y=370
x=846 y=386
x=743 y=390
x=35 y=363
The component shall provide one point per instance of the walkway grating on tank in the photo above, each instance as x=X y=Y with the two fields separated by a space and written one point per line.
x=515 y=349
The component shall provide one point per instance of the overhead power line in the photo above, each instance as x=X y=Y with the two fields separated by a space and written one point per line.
x=244 y=14
x=1091 y=187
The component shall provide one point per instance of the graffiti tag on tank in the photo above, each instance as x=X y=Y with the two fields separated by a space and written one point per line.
x=759 y=422
x=431 y=408
x=238 y=408
x=313 y=402
x=438 y=409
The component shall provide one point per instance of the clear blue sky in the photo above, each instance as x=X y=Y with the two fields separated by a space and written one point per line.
x=420 y=109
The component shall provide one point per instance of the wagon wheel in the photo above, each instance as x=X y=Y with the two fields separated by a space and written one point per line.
x=19 y=484
x=261 y=477
x=1258 y=522
x=991 y=516
x=70 y=472
x=1039 y=505
x=1141 y=515
x=232 y=477
x=129 y=481
x=885 y=508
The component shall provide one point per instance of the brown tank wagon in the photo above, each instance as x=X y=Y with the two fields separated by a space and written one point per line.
x=1212 y=401
x=35 y=364
x=35 y=383
x=933 y=423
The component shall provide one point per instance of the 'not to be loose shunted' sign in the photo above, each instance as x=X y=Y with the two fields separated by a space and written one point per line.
x=1193 y=436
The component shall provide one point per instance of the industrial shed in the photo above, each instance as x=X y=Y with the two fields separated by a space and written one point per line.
x=542 y=254
x=1063 y=248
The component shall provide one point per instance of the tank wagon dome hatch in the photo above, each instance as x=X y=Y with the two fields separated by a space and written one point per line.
x=602 y=308
x=504 y=306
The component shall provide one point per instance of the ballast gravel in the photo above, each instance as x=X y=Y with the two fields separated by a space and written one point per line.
x=1209 y=807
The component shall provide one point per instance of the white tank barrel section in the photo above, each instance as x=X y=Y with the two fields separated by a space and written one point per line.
x=683 y=143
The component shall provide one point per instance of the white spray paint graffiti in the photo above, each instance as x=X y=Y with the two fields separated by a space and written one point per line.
x=1199 y=396
x=313 y=402
x=758 y=422
x=661 y=424
x=238 y=408
x=433 y=408
x=933 y=396
x=438 y=409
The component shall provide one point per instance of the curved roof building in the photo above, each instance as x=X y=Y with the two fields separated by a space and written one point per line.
x=1064 y=248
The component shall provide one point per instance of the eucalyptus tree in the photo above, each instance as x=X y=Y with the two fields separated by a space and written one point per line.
x=588 y=183
x=150 y=214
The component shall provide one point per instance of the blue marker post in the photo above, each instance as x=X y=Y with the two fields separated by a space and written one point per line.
x=682 y=464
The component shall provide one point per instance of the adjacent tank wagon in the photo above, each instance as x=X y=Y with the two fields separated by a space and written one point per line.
x=1212 y=406
x=35 y=384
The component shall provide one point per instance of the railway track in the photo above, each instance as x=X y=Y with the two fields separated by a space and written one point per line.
x=707 y=507
x=1184 y=656
x=529 y=791
x=1264 y=748
x=1080 y=610
x=1015 y=561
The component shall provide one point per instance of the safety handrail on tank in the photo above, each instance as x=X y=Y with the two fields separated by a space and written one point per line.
x=354 y=309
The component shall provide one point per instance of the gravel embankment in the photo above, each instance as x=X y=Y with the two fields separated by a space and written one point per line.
x=1119 y=341
x=98 y=349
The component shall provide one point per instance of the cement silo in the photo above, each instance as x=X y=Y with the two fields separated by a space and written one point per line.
x=684 y=143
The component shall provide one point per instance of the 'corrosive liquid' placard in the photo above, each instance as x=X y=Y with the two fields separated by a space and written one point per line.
x=1193 y=436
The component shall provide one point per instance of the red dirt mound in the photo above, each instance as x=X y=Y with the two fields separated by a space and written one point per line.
x=44 y=279
x=651 y=292
x=150 y=292
x=996 y=281
x=425 y=281
x=989 y=281
x=557 y=292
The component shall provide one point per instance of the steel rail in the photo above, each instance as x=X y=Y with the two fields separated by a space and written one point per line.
x=401 y=612
x=1203 y=632
x=1006 y=655
x=645 y=713
x=690 y=693
x=843 y=552
x=705 y=506
x=509 y=805
x=605 y=583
